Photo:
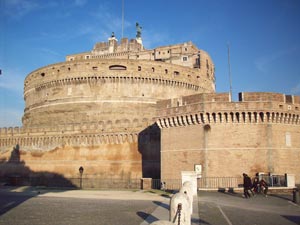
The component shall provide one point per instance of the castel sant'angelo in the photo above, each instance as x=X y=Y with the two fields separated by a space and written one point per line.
x=122 y=111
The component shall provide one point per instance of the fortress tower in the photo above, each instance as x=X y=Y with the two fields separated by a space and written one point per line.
x=97 y=109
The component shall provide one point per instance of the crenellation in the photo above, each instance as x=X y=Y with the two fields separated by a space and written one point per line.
x=241 y=117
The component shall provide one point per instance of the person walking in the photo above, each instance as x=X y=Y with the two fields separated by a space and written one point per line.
x=264 y=187
x=247 y=185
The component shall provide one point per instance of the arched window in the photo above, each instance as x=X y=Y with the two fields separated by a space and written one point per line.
x=117 y=67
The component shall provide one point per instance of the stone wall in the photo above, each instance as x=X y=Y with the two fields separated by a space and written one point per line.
x=123 y=155
x=259 y=134
x=105 y=91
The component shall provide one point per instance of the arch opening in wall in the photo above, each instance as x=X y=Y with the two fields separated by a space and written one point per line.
x=244 y=117
x=261 y=117
x=226 y=117
x=214 y=117
x=220 y=117
x=117 y=67
x=237 y=116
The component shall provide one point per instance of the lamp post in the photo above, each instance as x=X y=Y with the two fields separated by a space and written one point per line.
x=81 y=172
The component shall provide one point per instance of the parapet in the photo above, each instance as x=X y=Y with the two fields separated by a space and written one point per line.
x=225 y=98
x=266 y=96
x=194 y=99
x=218 y=108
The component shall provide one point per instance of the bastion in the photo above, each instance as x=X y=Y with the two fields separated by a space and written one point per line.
x=97 y=110
x=258 y=134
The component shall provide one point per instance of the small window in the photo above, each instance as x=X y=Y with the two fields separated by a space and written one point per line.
x=176 y=73
x=42 y=74
x=153 y=69
x=184 y=58
x=166 y=71
x=139 y=68
x=95 y=68
x=87 y=57
x=185 y=49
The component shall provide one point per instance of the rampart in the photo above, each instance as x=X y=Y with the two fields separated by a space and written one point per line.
x=260 y=133
x=217 y=108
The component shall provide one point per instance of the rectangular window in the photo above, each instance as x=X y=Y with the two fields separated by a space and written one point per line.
x=69 y=90
x=288 y=139
x=184 y=58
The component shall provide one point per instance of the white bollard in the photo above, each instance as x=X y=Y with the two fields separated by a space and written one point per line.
x=187 y=190
x=180 y=209
x=162 y=222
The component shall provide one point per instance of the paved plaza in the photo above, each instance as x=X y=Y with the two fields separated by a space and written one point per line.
x=24 y=206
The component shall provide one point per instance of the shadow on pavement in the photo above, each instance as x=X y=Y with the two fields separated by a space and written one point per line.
x=12 y=190
x=294 y=219
x=230 y=192
x=9 y=201
x=164 y=205
x=147 y=216
x=199 y=221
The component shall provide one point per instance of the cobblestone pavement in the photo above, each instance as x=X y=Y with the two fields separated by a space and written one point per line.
x=217 y=208
x=32 y=207
x=24 y=206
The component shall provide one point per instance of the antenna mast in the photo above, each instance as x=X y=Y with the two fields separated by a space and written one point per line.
x=122 y=17
x=229 y=71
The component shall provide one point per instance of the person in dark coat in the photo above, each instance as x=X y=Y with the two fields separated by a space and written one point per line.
x=264 y=187
x=247 y=185
x=256 y=185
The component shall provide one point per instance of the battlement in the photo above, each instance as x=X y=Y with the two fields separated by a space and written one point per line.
x=259 y=97
x=185 y=54
x=265 y=96
x=217 y=108
x=50 y=138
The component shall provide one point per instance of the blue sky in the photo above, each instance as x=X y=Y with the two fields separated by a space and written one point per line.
x=264 y=38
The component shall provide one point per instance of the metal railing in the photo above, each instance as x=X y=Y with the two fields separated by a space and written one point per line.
x=112 y=183
x=274 y=180
x=72 y=182
x=219 y=182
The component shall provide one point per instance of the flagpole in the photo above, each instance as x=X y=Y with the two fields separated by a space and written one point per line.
x=229 y=71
